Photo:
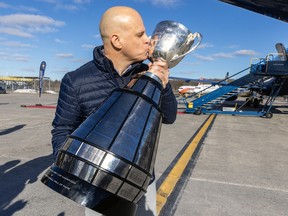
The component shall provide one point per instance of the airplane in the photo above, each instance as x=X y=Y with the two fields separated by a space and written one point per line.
x=204 y=85
x=200 y=88
x=185 y=90
x=205 y=88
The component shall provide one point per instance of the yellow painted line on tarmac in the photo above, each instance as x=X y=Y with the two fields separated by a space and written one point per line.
x=171 y=180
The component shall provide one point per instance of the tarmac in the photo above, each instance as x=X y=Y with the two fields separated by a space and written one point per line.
x=238 y=166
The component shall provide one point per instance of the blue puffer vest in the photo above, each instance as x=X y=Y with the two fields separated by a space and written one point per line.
x=84 y=89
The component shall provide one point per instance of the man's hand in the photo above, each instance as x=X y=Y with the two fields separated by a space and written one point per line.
x=160 y=68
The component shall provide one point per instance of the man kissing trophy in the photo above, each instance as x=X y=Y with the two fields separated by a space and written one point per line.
x=107 y=163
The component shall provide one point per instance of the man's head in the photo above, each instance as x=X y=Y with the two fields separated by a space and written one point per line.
x=123 y=34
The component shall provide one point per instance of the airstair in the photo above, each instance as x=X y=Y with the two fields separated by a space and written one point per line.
x=263 y=70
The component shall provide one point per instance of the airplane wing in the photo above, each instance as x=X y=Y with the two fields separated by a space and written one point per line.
x=277 y=9
x=191 y=80
x=202 y=80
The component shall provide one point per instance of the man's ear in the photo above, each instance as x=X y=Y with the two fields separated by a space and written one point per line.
x=115 y=41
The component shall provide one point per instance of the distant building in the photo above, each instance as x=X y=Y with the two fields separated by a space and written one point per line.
x=17 y=82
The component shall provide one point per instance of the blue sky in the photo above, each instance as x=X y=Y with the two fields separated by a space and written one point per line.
x=64 y=32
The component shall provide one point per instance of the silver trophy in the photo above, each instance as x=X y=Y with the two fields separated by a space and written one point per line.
x=172 y=41
x=107 y=163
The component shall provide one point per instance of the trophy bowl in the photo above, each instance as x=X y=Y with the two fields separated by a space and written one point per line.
x=172 y=41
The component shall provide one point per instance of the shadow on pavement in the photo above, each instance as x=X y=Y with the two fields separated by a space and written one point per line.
x=14 y=178
x=12 y=129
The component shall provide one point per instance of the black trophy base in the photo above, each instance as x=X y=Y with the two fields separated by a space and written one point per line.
x=86 y=194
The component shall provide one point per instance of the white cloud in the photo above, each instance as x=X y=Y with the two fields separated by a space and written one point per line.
x=4 y=56
x=17 y=8
x=245 y=53
x=88 y=46
x=14 y=57
x=50 y=1
x=203 y=58
x=81 y=1
x=68 y=7
x=28 y=69
x=64 y=55
x=165 y=2
x=161 y=2
x=15 y=32
x=97 y=36
x=61 y=69
x=79 y=60
x=25 y=25
x=4 y=5
x=20 y=57
x=75 y=6
x=235 y=54
x=233 y=46
x=29 y=20
x=25 y=8
x=59 y=41
x=223 y=55
x=191 y=63
x=205 y=45
x=15 y=44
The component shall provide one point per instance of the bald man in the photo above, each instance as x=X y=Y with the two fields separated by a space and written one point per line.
x=115 y=63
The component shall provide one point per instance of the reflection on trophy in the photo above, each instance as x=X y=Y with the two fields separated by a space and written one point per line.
x=107 y=163
x=172 y=41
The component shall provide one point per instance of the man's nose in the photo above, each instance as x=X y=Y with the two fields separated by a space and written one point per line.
x=147 y=39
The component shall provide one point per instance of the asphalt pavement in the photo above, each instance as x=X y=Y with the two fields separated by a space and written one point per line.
x=239 y=167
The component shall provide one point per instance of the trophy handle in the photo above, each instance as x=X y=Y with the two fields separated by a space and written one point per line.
x=190 y=37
